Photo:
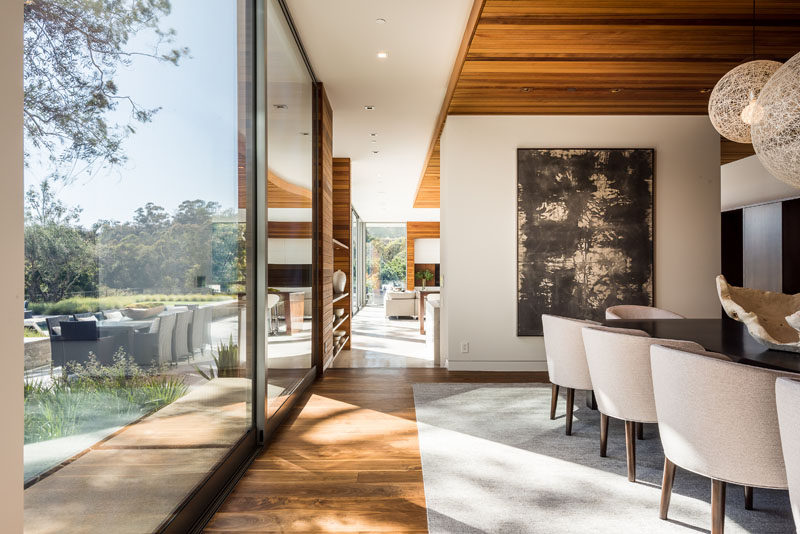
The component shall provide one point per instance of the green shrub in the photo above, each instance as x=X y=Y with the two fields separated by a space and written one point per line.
x=92 y=396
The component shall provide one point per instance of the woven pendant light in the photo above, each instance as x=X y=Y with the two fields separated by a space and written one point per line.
x=776 y=132
x=733 y=105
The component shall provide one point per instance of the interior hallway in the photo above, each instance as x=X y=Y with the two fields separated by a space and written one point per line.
x=383 y=343
x=346 y=460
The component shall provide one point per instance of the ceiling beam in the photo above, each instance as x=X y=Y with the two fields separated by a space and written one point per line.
x=466 y=40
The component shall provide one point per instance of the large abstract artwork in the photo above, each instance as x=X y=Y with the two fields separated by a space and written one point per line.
x=584 y=232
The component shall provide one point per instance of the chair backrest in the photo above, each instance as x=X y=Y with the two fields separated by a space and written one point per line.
x=718 y=418
x=272 y=300
x=196 y=330
x=79 y=330
x=154 y=326
x=563 y=347
x=113 y=315
x=54 y=324
x=619 y=364
x=207 y=316
x=165 y=328
x=787 y=395
x=631 y=311
x=181 y=337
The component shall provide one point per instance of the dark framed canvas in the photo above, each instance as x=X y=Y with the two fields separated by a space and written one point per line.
x=584 y=232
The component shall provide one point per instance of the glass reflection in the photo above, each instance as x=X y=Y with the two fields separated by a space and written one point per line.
x=138 y=380
x=290 y=216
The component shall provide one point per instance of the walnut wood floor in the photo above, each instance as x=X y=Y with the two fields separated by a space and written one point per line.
x=347 y=459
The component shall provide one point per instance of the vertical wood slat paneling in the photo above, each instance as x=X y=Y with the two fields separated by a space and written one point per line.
x=324 y=217
x=417 y=230
x=342 y=228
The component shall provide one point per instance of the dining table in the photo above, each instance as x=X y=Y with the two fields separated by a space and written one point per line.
x=725 y=336
x=123 y=332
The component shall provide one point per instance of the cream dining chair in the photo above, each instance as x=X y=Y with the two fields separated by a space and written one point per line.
x=787 y=395
x=566 y=360
x=630 y=311
x=619 y=364
x=718 y=419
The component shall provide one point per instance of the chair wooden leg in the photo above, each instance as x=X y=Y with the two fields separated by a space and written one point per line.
x=603 y=434
x=639 y=430
x=748 y=497
x=630 y=449
x=666 y=487
x=570 y=403
x=591 y=400
x=553 y=402
x=717 y=506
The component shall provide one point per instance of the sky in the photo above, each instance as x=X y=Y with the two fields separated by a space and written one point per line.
x=189 y=150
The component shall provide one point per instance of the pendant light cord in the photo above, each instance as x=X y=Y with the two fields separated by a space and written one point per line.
x=754 y=30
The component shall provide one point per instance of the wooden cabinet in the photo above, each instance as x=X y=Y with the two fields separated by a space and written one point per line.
x=761 y=246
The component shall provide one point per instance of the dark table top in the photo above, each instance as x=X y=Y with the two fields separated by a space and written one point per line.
x=725 y=336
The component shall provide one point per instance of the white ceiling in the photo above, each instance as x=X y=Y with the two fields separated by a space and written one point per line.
x=342 y=39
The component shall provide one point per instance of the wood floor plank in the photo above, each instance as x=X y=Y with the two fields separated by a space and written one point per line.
x=346 y=460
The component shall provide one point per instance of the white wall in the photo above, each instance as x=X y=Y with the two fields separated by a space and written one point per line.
x=478 y=222
x=746 y=182
x=426 y=251
x=11 y=268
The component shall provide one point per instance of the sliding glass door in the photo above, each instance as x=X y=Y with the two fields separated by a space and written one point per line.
x=290 y=179
x=139 y=243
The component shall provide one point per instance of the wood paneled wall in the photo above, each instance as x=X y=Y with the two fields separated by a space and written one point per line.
x=323 y=126
x=342 y=229
x=417 y=230
x=290 y=230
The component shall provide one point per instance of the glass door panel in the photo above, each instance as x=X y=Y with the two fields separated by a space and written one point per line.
x=138 y=378
x=290 y=215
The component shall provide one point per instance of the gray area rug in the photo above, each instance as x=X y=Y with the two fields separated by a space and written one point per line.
x=493 y=461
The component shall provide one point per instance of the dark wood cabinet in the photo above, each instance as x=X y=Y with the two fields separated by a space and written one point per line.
x=761 y=246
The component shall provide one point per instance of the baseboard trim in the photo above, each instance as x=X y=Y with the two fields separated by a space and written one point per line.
x=494 y=365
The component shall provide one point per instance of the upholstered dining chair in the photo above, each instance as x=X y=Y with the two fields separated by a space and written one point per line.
x=619 y=364
x=787 y=396
x=566 y=360
x=718 y=419
x=630 y=311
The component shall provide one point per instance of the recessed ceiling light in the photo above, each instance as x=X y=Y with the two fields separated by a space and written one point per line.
x=571 y=89
x=373 y=134
x=303 y=133
x=369 y=108
x=526 y=89
x=704 y=91
x=616 y=90
x=374 y=141
x=374 y=151
x=383 y=55
x=380 y=21
x=280 y=106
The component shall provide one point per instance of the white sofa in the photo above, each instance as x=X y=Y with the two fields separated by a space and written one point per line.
x=401 y=304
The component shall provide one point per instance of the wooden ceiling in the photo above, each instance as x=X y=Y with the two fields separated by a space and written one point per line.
x=620 y=57
x=428 y=188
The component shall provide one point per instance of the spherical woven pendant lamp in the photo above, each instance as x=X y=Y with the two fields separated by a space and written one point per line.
x=733 y=105
x=776 y=133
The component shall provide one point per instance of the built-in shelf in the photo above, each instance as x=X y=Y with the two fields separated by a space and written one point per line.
x=339 y=244
x=341 y=321
x=338 y=297
x=340 y=346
